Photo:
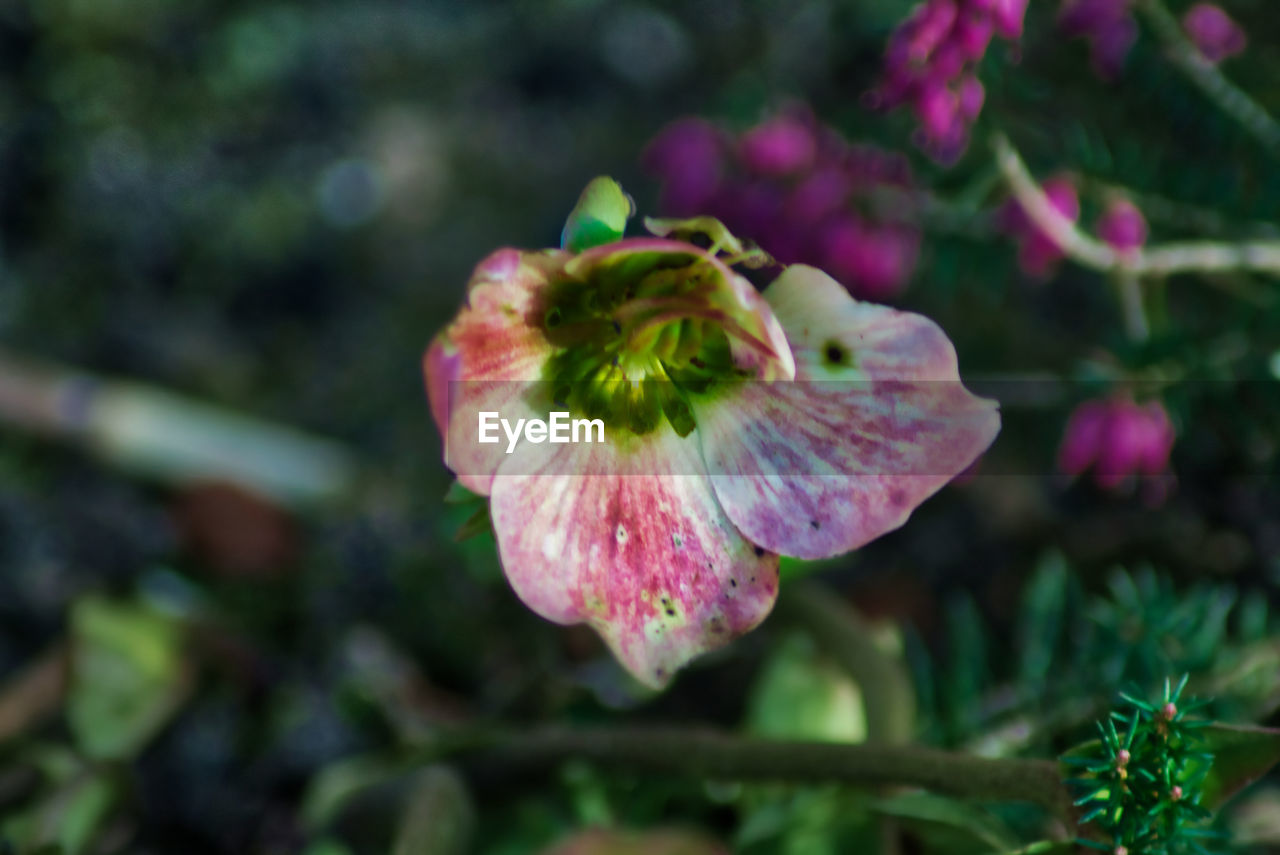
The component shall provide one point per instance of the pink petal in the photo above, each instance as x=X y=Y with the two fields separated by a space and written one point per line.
x=633 y=543
x=487 y=356
x=824 y=464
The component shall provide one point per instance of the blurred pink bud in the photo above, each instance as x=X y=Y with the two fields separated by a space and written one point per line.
x=1123 y=226
x=1008 y=17
x=874 y=261
x=947 y=61
x=938 y=109
x=818 y=195
x=1039 y=252
x=1082 y=439
x=972 y=35
x=1110 y=46
x=971 y=95
x=779 y=146
x=688 y=155
x=751 y=209
x=1062 y=195
x=1110 y=28
x=1159 y=439
x=927 y=28
x=1213 y=32
x=1089 y=17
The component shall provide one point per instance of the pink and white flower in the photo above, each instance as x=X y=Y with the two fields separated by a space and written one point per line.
x=740 y=425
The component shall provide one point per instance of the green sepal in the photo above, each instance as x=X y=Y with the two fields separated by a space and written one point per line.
x=600 y=216
x=460 y=495
x=477 y=524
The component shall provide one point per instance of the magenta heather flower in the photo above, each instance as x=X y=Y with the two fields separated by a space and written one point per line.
x=1109 y=27
x=738 y=426
x=1123 y=226
x=930 y=63
x=1037 y=252
x=1213 y=32
x=781 y=146
x=690 y=155
x=800 y=191
x=1119 y=439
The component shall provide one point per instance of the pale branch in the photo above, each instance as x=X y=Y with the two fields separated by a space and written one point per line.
x=1259 y=256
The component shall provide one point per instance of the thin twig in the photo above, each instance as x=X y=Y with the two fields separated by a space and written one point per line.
x=1163 y=260
x=1228 y=97
x=714 y=755
x=1135 y=314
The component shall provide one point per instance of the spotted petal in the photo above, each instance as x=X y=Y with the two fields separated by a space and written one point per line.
x=487 y=357
x=637 y=547
x=875 y=423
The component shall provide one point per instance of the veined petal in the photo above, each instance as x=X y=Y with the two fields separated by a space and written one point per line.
x=489 y=358
x=875 y=422
x=629 y=540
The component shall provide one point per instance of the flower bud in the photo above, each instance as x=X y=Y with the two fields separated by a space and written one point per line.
x=1123 y=226
x=1213 y=32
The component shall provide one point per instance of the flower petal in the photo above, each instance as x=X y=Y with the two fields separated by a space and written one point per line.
x=487 y=355
x=875 y=422
x=631 y=541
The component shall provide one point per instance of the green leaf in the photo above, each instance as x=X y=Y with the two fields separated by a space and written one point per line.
x=128 y=676
x=948 y=825
x=1045 y=847
x=1241 y=755
x=801 y=695
x=600 y=216
x=1041 y=619
x=67 y=819
x=439 y=818
x=334 y=786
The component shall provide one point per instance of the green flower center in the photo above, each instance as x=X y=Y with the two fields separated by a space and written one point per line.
x=635 y=339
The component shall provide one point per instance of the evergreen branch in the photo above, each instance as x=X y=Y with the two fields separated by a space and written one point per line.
x=1228 y=97
x=1262 y=256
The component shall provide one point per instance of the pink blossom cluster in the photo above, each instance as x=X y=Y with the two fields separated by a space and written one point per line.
x=1121 y=225
x=1118 y=439
x=931 y=63
x=798 y=189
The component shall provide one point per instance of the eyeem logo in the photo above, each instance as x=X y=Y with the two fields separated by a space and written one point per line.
x=560 y=429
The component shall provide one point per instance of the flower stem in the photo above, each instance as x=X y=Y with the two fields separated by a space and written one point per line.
x=1228 y=97
x=888 y=695
x=1262 y=256
x=714 y=755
